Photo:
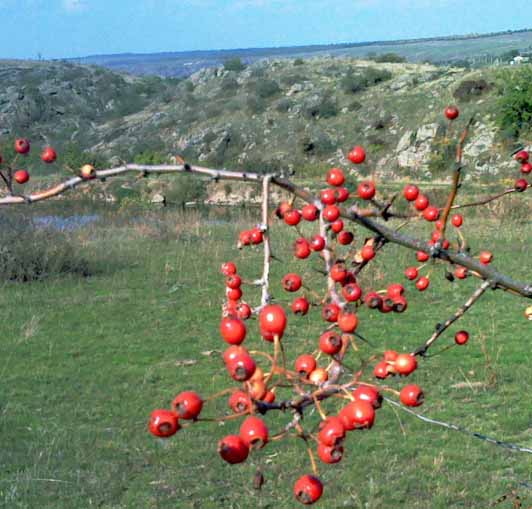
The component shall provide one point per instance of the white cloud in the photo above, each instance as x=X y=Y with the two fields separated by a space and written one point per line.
x=75 y=5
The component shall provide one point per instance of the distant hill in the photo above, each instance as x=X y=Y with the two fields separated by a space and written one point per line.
x=473 y=48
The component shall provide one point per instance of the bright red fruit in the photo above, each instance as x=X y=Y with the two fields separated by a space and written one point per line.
x=301 y=248
x=254 y=432
x=461 y=337
x=421 y=256
x=305 y=364
x=338 y=272
x=452 y=112
x=367 y=253
x=522 y=156
x=460 y=272
x=330 y=454
x=395 y=290
x=233 y=281
x=331 y=213
x=337 y=226
x=411 y=273
x=22 y=146
x=240 y=365
x=347 y=322
x=485 y=257
x=390 y=355
x=300 y=306
x=373 y=300
x=228 y=269
x=272 y=319
x=351 y=292
x=342 y=194
x=187 y=405
x=245 y=237
x=411 y=192
x=22 y=176
x=345 y=238
x=421 y=203
x=292 y=282
x=163 y=423
x=366 y=190
x=292 y=217
x=233 y=449
x=369 y=395
x=358 y=414
x=422 y=283
x=457 y=220
x=48 y=155
x=328 y=196
x=405 y=364
x=282 y=209
x=411 y=395
x=243 y=311
x=526 y=168
x=310 y=212
x=330 y=343
x=330 y=312
x=233 y=330
x=381 y=370
x=256 y=236
x=399 y=304
x=520 y=185
x=335 y=177
x=308 y=489
x=431 y=213
x=240 y=402
x=357 y=155
x=234 y=293
x=332 y=431
x=317 y=243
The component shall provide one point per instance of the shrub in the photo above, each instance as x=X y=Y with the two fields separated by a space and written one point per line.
x=229 y=85
x=299 y=61
x=234 y=64
x=469 y=89
x=255 y=104
x=322 y=106
x=392 y=58
x=316 y=143
x=266 y=88
x=284 y=105
x=514 y=107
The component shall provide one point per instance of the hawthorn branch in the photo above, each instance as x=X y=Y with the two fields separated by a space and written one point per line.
x=441 y=328
x=265 y=282
x=485 y=201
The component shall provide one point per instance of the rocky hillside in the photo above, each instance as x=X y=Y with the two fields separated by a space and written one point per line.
x=286 y=115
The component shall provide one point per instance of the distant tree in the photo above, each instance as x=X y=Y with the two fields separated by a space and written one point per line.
x=392 y=58
x=509 y=55
x=234 y=64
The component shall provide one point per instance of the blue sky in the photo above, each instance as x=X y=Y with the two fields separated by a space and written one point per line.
x=70 y=28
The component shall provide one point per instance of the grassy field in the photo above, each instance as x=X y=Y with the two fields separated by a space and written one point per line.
x=83 y=361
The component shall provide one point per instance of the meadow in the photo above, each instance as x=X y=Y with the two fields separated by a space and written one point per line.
x=87 y=351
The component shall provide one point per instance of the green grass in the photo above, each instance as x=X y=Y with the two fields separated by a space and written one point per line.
x=83 y=361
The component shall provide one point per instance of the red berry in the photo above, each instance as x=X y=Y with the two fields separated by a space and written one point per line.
x=233 y=449
x=367 y=253
x=22 y=146
x=22 y=176
x=317 y=243
x=305 y=364
x=390 y=355
x=399 y=304
x=342 y=194
x=330 y=312
x=234 y=293
x=431 y=213
x=330 y=343
x=331 y=213
x=301 y=248
x=411 y=395
x=411 y=273
x=233 y=281
x=300 y=306
x=522 y=156
x=357 y=155
x=163 y=423
x=272 y=319
x=460 y=272
x=187 y=405
x=310 y=212
x=461 y=337
x=245 y=237
x=332 y=431
x=457 y=220
x=366 y=190
x=318 y=376
x=411 y=192
x=292 y=282
x=330 y=454
x=452 y=112
x=282 y=209
x=233 y=330
x=381 y=370
x=337 y=226
x=240 y=402
x=421 y=256
x=338 y=272
x=421 y=203
x=256 y=236
x=405 y=364
x=254 y=432
x=228 y=269
x=351 y=292
x=240 y=364
x=485 y=257
x=308 y=489
x=345 y=238
x=335 y=177
x=396 y=290
x=328 y=196
x=526 y=168
x=520 y=185
x=243 y=311
x=422 y=283
x=292 y=217
x=369 y=395
x=48 y=155
x=358 y=415
x=373 y=300
x=347 y=322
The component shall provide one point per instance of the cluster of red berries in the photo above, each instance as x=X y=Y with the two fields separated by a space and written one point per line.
x=23 y=147
x=251 y=237
x=523 y=157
